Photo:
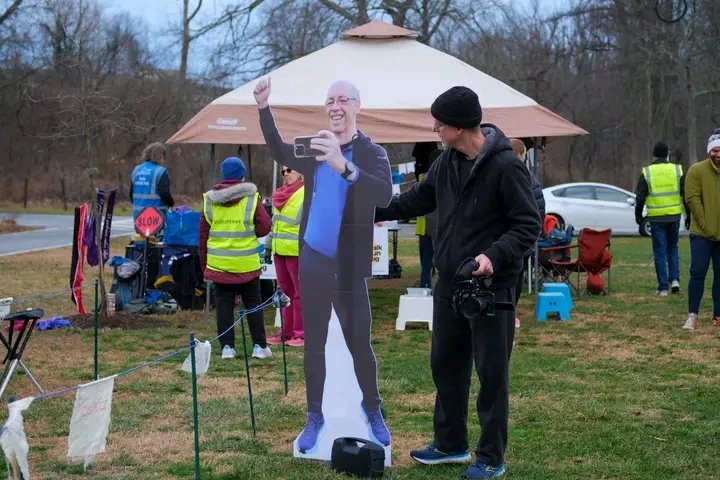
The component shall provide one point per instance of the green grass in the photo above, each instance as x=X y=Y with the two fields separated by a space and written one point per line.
x=618 y=392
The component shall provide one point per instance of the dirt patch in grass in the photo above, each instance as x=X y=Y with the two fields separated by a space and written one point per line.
x=124 y=320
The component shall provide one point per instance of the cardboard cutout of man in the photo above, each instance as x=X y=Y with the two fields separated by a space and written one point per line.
x=343 y=186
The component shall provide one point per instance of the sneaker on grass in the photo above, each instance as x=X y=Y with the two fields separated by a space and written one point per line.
x=276 y=339
x=228 y=352
x=674 y=286
x=690 y=323
x=481 y=470
x=260 y=352
x=430 y=455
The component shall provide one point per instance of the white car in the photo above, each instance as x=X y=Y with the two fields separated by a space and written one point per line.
x=594 y=205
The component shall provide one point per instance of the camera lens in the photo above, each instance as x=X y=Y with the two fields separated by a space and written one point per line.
x=299 y=150
x=472 y=307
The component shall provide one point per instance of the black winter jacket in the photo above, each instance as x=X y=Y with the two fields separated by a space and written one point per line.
x=493 y=211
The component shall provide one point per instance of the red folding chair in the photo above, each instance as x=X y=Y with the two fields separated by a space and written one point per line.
x=594 y=258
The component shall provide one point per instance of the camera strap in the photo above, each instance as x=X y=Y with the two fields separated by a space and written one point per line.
x=506 y=306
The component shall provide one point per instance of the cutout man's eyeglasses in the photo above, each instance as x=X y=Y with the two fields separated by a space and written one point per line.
x=286 y=170
x=340 y=100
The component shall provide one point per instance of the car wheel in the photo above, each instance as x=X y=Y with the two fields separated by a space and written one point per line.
x=560 y=222
x=645 y=230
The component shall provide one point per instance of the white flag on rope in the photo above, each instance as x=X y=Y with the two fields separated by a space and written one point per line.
x=13 y=441
x=202 y=359
x=90 y=420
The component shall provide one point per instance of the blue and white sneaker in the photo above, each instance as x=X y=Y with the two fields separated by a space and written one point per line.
x=228 y=352
x=260 y=352
x=479 y=470
x=308 y=438
x=430 y=455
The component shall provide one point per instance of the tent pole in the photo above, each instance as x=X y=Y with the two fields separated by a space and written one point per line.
x=211 y=172
x=274 y=176
x=249 y=157
x=533 y=157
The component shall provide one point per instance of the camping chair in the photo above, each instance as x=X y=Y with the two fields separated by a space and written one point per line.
x=15 y=343
x=553 y=245
x=593 y=258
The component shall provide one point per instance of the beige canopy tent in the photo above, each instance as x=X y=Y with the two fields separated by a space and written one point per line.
x=398 y=79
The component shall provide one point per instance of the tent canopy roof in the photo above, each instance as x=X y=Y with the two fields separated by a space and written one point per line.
x=398 y=79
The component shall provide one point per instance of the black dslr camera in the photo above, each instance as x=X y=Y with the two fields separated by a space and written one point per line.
x=472 y=297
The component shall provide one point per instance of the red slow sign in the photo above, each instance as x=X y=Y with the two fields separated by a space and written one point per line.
x=149 y=221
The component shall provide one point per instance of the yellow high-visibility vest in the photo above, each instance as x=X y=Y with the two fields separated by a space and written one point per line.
x=420 y=225
x=232 y=245
x=663 y=181
x=286 y=225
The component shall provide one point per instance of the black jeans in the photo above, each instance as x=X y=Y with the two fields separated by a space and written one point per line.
x=323 y=286
x=456 y=343
x=225 y=298
x=425 y=247
x=521 y=280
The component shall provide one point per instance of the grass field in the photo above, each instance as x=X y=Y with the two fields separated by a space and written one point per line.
x=620 y=392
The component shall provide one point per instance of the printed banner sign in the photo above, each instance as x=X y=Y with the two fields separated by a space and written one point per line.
x=90 y=420
x=380 y=264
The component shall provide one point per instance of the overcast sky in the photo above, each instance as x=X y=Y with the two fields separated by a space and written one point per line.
x=161 y=16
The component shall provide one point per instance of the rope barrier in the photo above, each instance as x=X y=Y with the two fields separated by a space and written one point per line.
x=161 y=358
x=55 y=293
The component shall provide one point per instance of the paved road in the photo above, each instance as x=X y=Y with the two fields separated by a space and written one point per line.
x=55 y=231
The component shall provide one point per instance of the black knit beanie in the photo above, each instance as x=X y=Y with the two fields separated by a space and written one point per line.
x=458 y=107
x=660 y=150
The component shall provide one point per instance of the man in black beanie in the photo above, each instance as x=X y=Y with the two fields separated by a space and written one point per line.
x=485 y=211
x=660 y=188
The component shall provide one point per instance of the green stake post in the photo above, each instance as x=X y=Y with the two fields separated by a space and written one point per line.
x=282 y=338
x=97 y=328
x=196 y=426
x=247 y=372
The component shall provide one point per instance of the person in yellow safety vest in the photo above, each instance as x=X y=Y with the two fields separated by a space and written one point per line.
x=284 y=242
x=425 y=154
x=661 y=189
x=232 y=220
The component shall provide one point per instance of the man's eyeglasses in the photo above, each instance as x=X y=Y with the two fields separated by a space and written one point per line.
x=340 y=100
x=286 y=170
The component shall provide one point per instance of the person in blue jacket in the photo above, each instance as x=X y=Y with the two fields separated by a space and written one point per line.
x=150 y=182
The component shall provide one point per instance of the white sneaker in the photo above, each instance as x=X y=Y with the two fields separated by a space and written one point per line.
x=228 y=352
x=259 y=352
x=690 y=323
x=662 y=293
x=675 y=286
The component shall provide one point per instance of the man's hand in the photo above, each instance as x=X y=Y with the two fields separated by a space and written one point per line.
x=262 y=93
x=330 y=146
x=638 y=220
x=485 y=267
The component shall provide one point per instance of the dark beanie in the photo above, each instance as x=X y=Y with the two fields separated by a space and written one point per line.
x=458 y=107
x=232 y=168
x=660 y=150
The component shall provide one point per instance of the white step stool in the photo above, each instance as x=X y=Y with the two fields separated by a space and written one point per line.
x=414 y=309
